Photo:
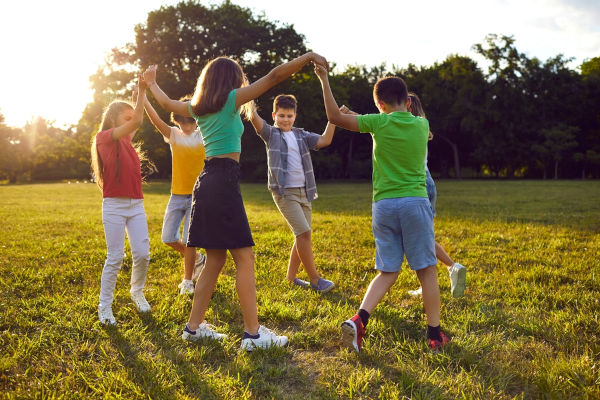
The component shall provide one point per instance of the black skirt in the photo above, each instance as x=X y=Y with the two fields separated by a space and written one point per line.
x=218 y=219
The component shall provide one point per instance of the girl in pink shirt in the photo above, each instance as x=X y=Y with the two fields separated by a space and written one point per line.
x=116 y=166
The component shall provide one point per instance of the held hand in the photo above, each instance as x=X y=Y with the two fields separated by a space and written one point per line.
x=346 y=110
x=150 y=75
x=320 y=60
x=142 y=84
x=321 y=72
x=134 y=93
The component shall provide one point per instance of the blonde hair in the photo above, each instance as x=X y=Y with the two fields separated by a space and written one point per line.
x=109 y=120
x=416 y=108
x=219 y=77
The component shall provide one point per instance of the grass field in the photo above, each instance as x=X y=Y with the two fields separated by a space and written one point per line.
x=528 y=326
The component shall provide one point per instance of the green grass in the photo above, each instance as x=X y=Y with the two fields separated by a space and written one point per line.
x=528 y=326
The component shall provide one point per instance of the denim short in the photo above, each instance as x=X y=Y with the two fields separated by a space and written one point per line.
x=403 y=226
x=431 y=190
x=178 y=209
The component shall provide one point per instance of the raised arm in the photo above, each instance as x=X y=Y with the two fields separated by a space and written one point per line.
x=275 y=76
x=176 y=106
x=327 y=136
x=132 y=125
x=334 y=114
x=157 y=121
x=256 y=120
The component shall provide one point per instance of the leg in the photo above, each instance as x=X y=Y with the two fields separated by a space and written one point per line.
x=246 y=287
x=293 y=264
x=189 y=261
x=441 y=255
x=377 y=289
x=137 y=231
x=431 y=294
x=215 y=260
x=303 y=245
x=177 y=246
x=114 y=232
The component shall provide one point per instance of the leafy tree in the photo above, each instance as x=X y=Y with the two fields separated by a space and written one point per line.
x=557 y=142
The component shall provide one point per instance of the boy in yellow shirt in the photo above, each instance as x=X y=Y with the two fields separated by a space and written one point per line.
x=187 y=158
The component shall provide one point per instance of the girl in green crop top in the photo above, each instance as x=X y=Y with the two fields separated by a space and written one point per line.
x=219 y=222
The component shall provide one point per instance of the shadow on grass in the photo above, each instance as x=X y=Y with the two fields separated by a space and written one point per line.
x=143 y=373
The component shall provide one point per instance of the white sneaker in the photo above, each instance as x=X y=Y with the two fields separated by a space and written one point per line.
x=105 y=315
x=204 y=330
x=186 y=287
x=140 y=302
x=418 y=292
x=199 y=266
x=458 y=279
x=266 y=338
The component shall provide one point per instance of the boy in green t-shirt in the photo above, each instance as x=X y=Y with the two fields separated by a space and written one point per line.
x=402 y=216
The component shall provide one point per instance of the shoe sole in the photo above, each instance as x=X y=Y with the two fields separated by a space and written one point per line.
x=328 y=289
x=461 y=283
x=349 y=336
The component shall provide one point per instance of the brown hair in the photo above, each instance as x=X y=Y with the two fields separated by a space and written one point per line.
x=286 y=101
x=416 y=108
x=180 y=119
x=391 y=90
x=219 y=77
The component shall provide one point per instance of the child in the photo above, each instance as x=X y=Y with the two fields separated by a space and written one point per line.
x=116 y=166
x=292 y=182
x=187 y=158
x=219 y=222
x=402 y=217
x=457 y=272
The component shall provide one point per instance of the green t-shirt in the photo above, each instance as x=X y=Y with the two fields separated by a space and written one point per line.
x=221 y=131
x=399 y=148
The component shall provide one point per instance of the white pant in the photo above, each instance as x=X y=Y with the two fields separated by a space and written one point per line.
x=120 y=215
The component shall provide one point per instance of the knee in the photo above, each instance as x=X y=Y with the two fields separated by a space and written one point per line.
x=304 y=236
x=389 y=276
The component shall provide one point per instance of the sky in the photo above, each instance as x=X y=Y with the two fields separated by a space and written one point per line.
x=51 y=48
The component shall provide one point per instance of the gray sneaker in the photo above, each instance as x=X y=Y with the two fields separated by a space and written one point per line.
x=458 y=279
x=323 y=286
x=105 y=315
x=301 y=283
x=204 y=330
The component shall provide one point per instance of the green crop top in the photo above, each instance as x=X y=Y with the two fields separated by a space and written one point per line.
x=221 y=131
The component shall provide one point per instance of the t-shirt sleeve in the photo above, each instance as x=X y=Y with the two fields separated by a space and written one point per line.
x=104 y=136
x=172 y=137
x=368 y=123
x=229 y=107
x=191 y=111
x=310 y=139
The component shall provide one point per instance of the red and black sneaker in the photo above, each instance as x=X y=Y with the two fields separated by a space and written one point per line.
x=436 y=345
x=352 y=333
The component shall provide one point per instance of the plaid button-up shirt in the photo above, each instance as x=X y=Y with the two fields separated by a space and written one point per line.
x=277 y=154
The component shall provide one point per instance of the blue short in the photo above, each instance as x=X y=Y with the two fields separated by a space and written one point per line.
x=178 y=209
x=431 y=190
x=403 y=226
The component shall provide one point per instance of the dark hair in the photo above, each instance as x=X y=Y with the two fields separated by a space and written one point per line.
x=219 y=77
x=286 y=101
x=180 y=119
x=416 y=108
x=391 y=90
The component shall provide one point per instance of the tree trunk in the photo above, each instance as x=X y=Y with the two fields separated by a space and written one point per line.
x=556 y=169
x=583 y=173
x=454 y=155
x=349 y=157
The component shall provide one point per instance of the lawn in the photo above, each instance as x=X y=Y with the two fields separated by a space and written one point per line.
x=527 y=327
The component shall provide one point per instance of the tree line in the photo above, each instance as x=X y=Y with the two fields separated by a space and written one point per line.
x=519 y=117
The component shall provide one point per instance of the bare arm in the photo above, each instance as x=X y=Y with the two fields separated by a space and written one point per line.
x=327 y=136
x=275 y=76
x=176 y=106
x=334 y=114
x=256 y=120
x=131 y=126
x=158 y=123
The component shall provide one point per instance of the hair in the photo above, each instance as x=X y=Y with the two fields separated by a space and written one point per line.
x=286 y=101
x=219 y=77
x=109 y=120
x=416 y=108
x=391 y=90
x=180 y=119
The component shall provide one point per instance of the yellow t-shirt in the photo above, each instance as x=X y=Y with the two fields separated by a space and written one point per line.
x=187 y=159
